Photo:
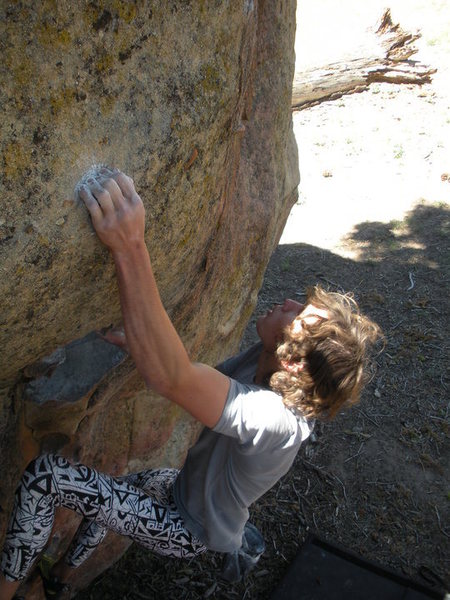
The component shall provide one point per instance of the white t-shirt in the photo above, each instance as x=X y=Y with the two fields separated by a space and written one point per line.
x=253 y=444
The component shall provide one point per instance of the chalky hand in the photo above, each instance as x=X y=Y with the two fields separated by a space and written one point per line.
x=116 y=210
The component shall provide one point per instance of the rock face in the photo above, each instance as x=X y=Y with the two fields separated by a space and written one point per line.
x=193 y=100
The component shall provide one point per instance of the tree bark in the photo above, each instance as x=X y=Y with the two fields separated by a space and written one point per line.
x=385 y=57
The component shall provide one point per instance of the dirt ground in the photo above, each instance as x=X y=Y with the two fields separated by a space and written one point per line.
x=372 y=217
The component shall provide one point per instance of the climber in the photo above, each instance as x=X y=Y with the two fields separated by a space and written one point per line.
x=257 y=409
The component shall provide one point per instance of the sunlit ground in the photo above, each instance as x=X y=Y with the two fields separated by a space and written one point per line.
x=371 y=156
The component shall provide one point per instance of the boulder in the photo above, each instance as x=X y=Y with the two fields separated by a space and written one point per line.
x=192 y=99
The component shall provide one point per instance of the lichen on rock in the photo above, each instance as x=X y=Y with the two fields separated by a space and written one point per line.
x=192 y=99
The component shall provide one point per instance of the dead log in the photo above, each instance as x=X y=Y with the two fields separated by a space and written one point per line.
x=385 y=57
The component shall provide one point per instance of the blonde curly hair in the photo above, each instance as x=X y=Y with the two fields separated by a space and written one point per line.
x=332 y=357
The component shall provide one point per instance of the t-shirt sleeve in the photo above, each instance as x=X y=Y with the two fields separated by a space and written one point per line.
x=258 y=417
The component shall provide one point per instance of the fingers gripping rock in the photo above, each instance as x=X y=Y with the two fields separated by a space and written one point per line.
x=98 y=173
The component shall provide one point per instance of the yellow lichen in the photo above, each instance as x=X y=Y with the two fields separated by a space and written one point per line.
x=22 y=70
x=47 y=7
x=104 y=63
x=64 y=38
x=210 y=81
x=126 y=11
x=91 y=12
x=50 y=36
x=61 y=99
x=16 y=159
x=44 y=241
x=107 y=104
x=184 y=240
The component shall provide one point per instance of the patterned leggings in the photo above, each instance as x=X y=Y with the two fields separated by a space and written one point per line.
x=139 y=506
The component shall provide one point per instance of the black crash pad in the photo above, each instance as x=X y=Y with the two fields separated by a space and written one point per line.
x=322 y=571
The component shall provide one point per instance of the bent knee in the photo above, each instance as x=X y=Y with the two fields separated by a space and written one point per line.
x=45 y=463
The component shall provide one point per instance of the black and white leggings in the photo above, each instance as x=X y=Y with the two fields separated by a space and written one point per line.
x=139 y=506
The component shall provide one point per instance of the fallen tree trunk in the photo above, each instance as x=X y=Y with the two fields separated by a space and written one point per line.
x=385 y=57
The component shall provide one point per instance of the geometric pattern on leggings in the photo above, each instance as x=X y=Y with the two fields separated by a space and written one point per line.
x=139 y=506
x=158 y=483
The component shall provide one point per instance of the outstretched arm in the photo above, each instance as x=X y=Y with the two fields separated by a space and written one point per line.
x=118 y=217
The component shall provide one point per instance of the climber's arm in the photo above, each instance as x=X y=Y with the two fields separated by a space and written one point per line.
x=118 y=217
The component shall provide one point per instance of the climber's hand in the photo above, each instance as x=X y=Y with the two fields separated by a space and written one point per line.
x=116 y=336
x=116 y=210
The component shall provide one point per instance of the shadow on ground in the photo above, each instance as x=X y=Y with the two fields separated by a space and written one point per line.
x=374 y=480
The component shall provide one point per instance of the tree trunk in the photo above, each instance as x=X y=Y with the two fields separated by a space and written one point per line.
x=385 y=57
